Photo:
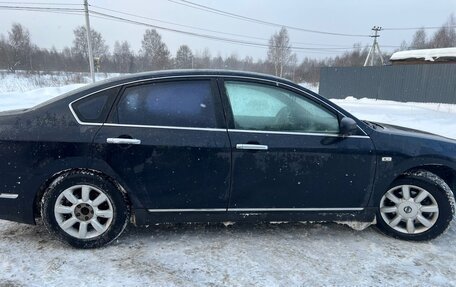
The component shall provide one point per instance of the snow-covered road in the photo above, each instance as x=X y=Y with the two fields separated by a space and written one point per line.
x=325 y=254
x=238 y=255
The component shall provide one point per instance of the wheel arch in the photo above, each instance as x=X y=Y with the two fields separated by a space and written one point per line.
x=385 y=178
x=446 y=173
x=45 y=185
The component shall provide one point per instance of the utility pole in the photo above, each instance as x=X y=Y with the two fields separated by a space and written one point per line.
x=89 y=41
x=374 y=49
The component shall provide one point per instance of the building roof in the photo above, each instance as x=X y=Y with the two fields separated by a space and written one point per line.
x=425 y=54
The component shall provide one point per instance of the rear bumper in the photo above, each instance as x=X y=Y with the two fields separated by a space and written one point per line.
x=13 y=208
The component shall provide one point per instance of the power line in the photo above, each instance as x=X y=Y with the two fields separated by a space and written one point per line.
x=41 y=3
x=419 y=28
x=258 y=21
x=96 y=14
x=212 y=37
x=208 y=30
x=173 y=23
x=31 y=8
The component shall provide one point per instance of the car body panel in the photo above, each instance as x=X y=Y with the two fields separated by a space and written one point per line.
x=171 y=168
x=301 y=171
x=34 y=146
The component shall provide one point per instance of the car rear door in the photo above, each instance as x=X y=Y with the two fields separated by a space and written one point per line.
x=167 y=142
x=288 y=154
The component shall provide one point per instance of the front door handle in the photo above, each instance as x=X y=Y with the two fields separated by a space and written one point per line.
x=122 y=141
x=252 y=146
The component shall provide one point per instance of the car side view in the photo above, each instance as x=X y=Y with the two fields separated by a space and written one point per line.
x=215 y=146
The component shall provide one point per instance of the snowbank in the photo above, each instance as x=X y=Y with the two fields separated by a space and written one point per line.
x=22 y=81
x=21 y=100
x=434 y=118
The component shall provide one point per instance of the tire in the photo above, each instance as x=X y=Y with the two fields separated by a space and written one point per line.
x=84 y=209
x=416 y=207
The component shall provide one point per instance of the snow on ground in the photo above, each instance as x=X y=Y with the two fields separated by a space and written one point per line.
x=434 y=118
x=323 y=254
x=22 y=81
x=10 y=100
x=238 y=255
x=310 y=86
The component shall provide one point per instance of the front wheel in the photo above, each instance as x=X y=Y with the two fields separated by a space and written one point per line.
x=418 y=206
x=84 y=209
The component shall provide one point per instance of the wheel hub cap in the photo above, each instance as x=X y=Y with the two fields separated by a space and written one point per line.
x=408 y=210
x=83 y=211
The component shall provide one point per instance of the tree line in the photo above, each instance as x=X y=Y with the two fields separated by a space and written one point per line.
x=18 y=52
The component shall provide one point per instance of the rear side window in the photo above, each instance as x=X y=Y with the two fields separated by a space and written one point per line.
x=177 y=103
x=95 y=108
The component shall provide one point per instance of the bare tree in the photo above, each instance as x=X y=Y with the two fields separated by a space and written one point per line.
x=233 y=62
x=4 y=52
x=123 y=57
x=217 y=62
x=100 y=49
x=155 y=54
x=184 y=57
x=279 y=53
x=419 y=40
x=20 y=46
x=446 y=36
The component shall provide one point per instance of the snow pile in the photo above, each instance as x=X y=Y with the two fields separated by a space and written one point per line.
x=22 y=81
x=21 y=100
x=426 y=54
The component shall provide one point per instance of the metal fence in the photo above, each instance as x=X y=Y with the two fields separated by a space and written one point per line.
x=431 y=83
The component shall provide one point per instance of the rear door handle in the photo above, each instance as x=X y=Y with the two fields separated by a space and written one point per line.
x=252 y=146
x=122 y=141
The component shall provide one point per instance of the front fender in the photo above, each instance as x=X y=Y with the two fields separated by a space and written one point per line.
x=388 y=171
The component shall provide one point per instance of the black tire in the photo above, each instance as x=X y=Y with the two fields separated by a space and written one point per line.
x=116 y=202
x=442 y=196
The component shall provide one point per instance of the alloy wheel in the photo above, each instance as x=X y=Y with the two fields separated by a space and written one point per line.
x=409 y=209
x=83 y=211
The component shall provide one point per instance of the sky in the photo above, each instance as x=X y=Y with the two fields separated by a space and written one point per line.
x=335 y=16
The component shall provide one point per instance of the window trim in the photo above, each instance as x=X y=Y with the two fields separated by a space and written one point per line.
x=219 y=79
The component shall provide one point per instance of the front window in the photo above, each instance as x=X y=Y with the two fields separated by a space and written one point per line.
x=267 y=108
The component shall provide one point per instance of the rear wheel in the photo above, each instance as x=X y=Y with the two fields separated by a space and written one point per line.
x=84 y=209
x=419 y=206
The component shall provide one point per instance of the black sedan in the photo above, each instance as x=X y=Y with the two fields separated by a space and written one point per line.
x=214 y=146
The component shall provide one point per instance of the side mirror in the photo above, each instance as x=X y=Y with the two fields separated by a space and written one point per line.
x=347 y=126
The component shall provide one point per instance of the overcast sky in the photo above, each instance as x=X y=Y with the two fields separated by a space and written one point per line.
x=348 y=16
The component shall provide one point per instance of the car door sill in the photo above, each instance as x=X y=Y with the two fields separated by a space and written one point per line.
x=255 y=209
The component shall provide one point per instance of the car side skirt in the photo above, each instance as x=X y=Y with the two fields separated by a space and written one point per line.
x=146 y=217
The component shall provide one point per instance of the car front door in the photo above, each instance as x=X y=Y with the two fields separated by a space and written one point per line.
x=288 y=154
x=168 y=144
